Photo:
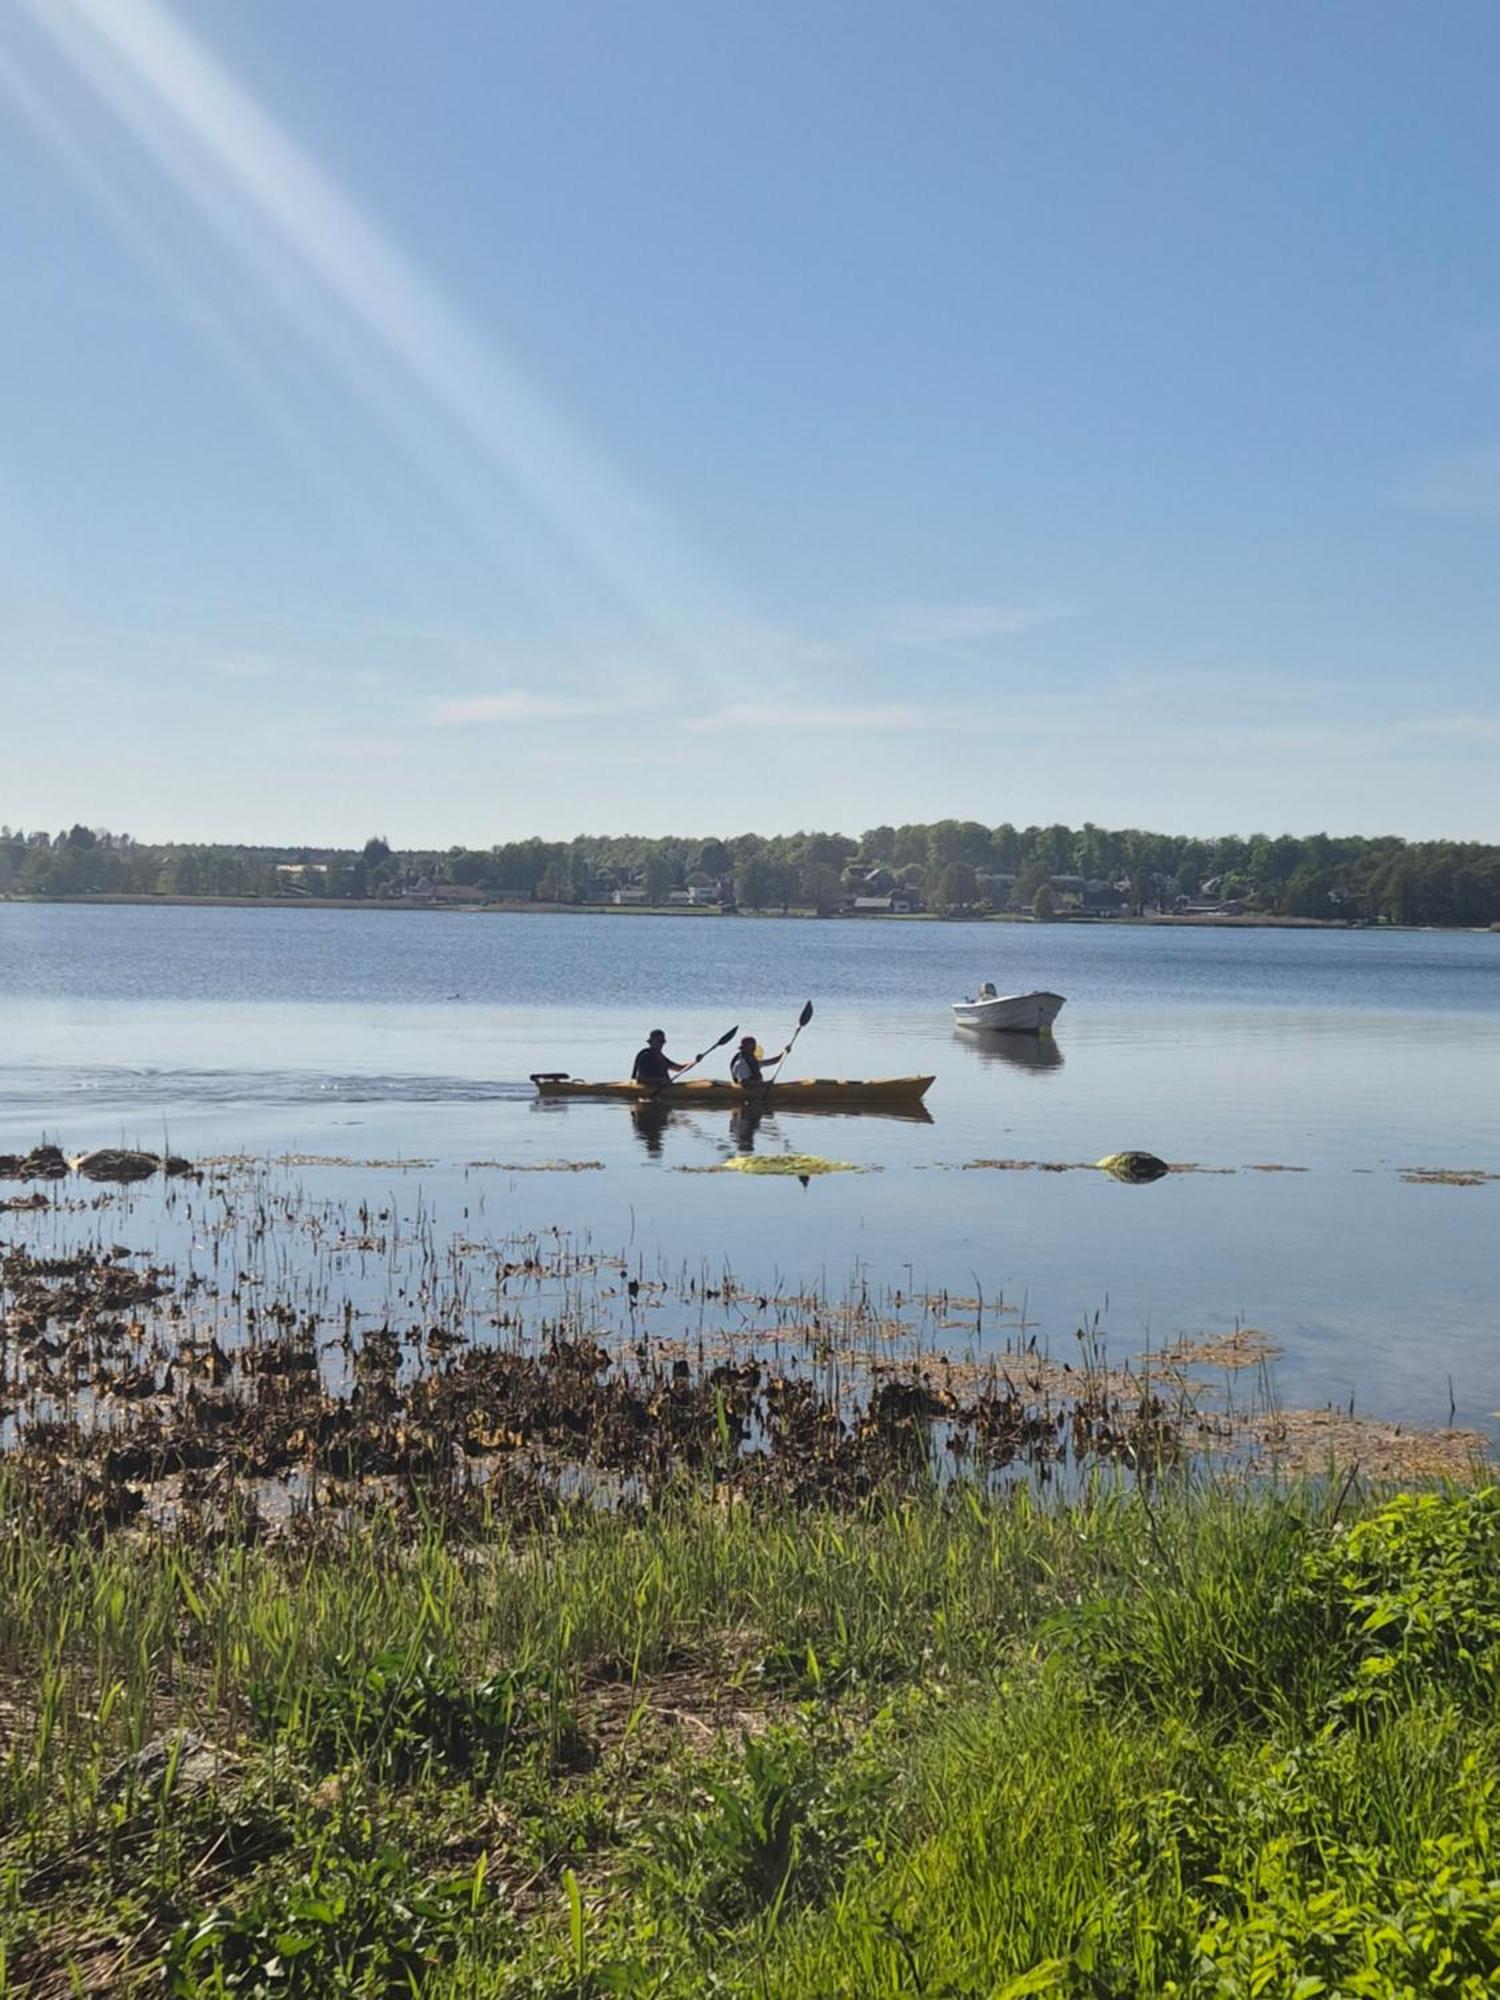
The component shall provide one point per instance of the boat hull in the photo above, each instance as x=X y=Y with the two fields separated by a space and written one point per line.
x=1011 y=1013
x=812 y=1093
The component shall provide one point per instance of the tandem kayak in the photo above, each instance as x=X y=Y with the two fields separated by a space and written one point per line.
x=812 y=1093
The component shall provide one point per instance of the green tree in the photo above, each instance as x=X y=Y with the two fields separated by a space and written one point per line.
x=1033 y=876
x=755 y=883
x=821 y=888
x=658 y=875
x=957 y=888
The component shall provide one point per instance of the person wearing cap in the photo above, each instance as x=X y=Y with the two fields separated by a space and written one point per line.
x=652 y=1064
x=746 y=1065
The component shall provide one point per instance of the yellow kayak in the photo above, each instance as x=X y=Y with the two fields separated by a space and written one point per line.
x=810 y=1093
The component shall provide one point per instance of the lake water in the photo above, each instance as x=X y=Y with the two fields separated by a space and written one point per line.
x=378 y=1036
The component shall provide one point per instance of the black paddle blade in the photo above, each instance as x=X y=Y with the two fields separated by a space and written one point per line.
x=805 y=1016
x=729 y=1037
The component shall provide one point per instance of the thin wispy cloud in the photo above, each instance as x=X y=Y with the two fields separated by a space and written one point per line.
x=244 y=667
x=889 y=715
x=522 y=705
x=962 y=625
x=1463 y=483
x=1476 y=730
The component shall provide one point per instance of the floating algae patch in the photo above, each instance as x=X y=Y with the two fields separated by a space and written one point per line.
x=1447 y=1176
x=800 y=1164
x=243 y=1161
x=539 y=1166
x=1313 y=1442
x=1245 y=1347
x=1134 y=1167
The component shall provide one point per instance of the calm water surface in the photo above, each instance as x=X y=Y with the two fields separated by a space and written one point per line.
x=384 y=1035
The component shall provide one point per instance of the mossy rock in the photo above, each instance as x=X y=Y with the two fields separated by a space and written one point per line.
x=1137 y=1168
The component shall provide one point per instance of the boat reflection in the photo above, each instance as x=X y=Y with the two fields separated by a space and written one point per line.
x=1016 y=1051
x=652 y=1122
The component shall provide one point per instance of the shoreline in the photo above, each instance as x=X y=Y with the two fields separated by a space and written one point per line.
x=1157 y=919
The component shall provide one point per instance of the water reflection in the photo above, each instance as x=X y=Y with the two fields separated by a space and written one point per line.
x=1017 y=1051
x=744 y=1123
x=651 y=1122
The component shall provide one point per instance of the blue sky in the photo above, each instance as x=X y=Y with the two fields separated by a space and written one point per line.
x=482 y=419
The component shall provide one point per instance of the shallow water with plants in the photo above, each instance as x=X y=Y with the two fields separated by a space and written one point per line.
x=1330 y=1090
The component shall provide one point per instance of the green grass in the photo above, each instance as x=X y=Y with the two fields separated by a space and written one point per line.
x=1217 y=1742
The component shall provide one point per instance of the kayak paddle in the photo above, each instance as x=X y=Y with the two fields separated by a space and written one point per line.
x=802 y=1020
x=728 y=1036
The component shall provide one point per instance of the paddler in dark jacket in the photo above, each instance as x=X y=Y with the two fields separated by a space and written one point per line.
x=653 y=1065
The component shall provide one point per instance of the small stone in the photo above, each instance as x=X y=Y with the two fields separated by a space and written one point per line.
x=1136 y=1168
x=116 y=1163
x=198 y=1763
x=42 y=1163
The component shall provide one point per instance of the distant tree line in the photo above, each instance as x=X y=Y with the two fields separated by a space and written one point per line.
x=950 y=866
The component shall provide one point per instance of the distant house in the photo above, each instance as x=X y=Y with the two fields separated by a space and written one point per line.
x=301 y=877
x=1104 y=897
x=631 y=893
x=894 y=905
x=425 y=890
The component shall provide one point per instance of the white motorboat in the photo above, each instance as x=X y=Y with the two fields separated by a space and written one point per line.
x=1011 y=1013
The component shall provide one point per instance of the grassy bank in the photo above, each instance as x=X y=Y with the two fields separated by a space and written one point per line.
x=1207 y=1741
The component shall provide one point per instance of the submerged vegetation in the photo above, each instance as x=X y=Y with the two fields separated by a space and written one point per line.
x=385 y=1614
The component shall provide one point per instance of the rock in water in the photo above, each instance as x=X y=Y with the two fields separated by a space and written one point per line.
x=1134 y=1167
x=116 y=1163
x=42 y=1163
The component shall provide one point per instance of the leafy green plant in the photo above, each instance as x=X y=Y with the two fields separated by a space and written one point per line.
x=773 y=1831
x=1413 y=1592
x=347 y=1926
x=402 y=1711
